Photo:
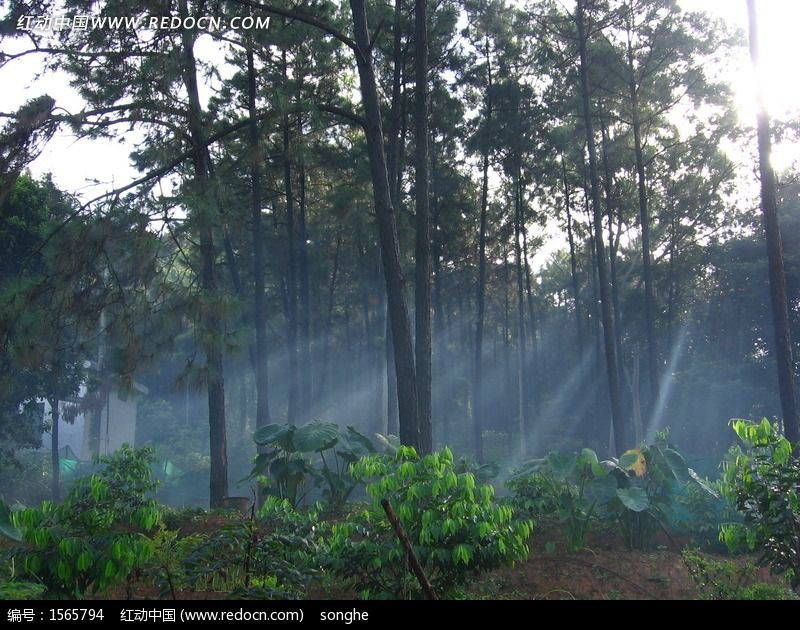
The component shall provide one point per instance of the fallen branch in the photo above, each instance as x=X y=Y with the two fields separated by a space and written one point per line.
x=427 y=588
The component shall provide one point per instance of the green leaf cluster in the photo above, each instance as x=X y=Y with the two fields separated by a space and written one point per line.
x=763 y=480
x=97 y=536
x=455 y=526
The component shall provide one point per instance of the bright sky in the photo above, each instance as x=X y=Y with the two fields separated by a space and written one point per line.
x=89 y=168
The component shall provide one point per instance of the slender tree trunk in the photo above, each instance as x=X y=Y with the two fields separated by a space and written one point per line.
x=291 y=270
x=422 y=289
x=304 y=313
x=573 y=262
x=387 y=228
x=392 y=420
x=644 y=222
x=442 y=407
x=508 y=397
x=393 y=165
x=55 y=457
x=323 y=374
x=777 y=276
x=522 y=378
x=477 y=395
x=620 y=432
x=608 y=184
x=261 y=363
x=531 y=308
x=212 y=319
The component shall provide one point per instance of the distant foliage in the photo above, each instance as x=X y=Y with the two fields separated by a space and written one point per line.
x=453 y=523
x=763 y=480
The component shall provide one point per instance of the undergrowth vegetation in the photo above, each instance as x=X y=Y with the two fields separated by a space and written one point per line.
x=110 y=536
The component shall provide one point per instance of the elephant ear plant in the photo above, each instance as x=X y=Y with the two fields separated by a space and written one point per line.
x=317 y=455
x=634 y=492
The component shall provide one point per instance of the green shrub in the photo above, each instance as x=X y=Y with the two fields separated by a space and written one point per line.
x=563 y=486
x=96 y=538
x=635 y=493
x=726 y=579
x=453 y=524
x=271 y=556
x=764 y=483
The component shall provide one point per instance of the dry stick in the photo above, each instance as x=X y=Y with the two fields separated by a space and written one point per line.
x=412 y=557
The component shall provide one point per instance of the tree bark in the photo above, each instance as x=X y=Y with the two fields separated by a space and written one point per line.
x=291 y=270
x=55 y=456
x=212 y=319
x=304 y=314
x=260 y=359
x=573 y=262
x=644 y=223
x=422 y=289
x=387 y=229
x=522 y=378
x=777 y=276
x=477 y=394
x=620 y=430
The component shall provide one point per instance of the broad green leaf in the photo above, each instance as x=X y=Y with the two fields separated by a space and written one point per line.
x=677 y=465
x=600 y=490
x=634 y=498
x=316 y=436
x=274 y=435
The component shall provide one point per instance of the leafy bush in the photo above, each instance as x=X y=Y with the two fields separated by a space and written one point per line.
x=701 y=514
x=565 y=486
x=272 y=556
x=726 y=579
x=453 y=524
x=635 y=493
x=289 y=472
x=96 y=538
x=764 y=483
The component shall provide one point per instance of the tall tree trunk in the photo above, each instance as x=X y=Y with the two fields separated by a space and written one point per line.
x=393 y=165
x=777 y=276
x=522 y=378
x=442 y=407
x=422 y=289
x=531 y=308
x=387 y=228
x=620 y=430
x=573 y=262
x=644 y=223
x=326 y=349
x=608 y=184
x=392 y=420
x=291 y=269
x=477 y=394
x=304 y=312
x=55 y=458
x=212 y=319
x=260 y=359
x=508 y=397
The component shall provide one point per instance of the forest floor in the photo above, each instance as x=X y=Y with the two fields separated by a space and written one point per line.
x=607 y=570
